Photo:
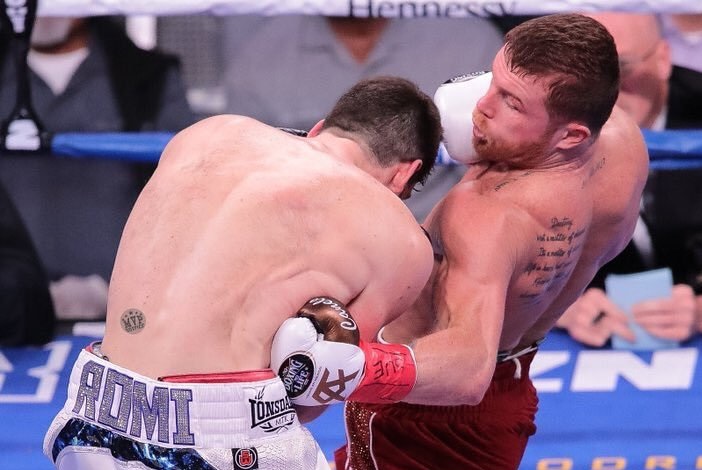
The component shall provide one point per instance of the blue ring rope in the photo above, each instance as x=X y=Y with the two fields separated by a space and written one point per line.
x=669 y=150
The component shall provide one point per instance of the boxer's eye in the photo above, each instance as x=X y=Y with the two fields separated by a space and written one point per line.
x=511 y=101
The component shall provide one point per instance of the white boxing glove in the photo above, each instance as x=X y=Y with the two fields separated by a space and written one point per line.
x=456 y=99
x=316 y=353
x=321 y=359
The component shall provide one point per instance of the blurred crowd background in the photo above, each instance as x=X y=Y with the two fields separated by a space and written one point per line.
x=61 y=219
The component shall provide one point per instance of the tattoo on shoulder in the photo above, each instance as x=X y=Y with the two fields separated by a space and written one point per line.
x=133 y=321
x=504 y=183
x=501 y=185
x=597 y=166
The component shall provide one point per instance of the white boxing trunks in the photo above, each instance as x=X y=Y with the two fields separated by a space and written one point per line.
x=116 y=419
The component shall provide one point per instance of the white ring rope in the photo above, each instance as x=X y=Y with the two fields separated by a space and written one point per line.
x=360 y=8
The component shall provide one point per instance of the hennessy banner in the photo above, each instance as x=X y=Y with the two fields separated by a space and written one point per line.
x=358 y=8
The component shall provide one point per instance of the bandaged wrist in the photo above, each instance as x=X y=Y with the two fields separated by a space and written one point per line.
x=389 y=374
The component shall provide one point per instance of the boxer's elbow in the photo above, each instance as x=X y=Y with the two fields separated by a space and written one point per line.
x=468 y=378
x=452 y=370
x=472 y=385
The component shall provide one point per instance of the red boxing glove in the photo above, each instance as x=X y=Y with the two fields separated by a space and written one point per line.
x=389 y=374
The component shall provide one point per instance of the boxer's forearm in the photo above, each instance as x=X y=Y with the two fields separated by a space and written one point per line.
x=453 y=368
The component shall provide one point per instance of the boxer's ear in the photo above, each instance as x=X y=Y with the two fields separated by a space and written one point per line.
x=316 y=129
x=400 y=181
x=571 y=135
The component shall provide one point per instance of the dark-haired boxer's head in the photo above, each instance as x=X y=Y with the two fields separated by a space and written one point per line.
x=394 y=120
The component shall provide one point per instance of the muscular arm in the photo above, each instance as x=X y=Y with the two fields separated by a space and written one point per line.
x=400 y=271
x=456 y=363
x=345 y=364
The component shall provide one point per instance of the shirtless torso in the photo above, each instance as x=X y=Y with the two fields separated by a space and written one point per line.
x=514 y=249
x=556 y=195
x=239 y=226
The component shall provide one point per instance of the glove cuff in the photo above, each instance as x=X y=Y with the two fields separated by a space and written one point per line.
x=389 y=375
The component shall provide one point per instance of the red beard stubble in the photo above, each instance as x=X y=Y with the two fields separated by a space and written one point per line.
x=496 y=150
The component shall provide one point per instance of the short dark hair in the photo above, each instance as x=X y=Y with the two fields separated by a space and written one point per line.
x=581 y=56
x=393 y=118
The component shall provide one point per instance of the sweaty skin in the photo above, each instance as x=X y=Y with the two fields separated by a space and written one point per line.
x=239 y=226
x=516 y=246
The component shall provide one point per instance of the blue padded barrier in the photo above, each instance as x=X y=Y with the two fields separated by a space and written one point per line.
x=668 y=149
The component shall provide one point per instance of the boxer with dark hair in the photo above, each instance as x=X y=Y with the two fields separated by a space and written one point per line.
x=553 y=194
x=241 y=225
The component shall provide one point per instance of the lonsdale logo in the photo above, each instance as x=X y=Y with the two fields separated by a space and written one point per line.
x=271 y=415
x=17 y=12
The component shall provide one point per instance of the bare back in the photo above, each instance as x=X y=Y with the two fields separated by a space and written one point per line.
x=239 y=226
x=589 y=219
x=525 y=244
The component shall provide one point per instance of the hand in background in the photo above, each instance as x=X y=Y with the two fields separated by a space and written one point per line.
x=594 y=318
x=670 y=318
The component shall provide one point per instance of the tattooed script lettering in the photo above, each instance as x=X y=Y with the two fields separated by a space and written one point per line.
x=554 y=259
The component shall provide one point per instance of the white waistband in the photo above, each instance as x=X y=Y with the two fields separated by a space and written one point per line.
x=217 y=415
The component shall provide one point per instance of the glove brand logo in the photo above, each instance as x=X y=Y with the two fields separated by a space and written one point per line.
x=348 y=324
x=332 y=390
x=245 y=459
x=296 y=373
x=271 y=415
